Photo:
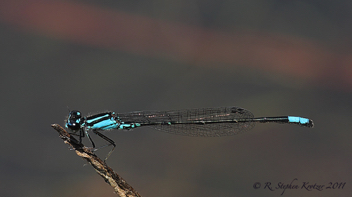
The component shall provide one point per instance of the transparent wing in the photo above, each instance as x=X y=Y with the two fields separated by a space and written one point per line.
x=207 y=122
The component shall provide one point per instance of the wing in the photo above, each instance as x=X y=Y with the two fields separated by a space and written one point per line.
x=206 y=122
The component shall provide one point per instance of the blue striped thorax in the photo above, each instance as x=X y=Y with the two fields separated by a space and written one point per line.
x=102 y=121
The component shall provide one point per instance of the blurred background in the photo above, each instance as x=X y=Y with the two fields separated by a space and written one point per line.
x=271 y=57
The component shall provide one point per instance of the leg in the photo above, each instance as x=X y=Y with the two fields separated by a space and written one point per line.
x=111 y=142
x=81 y=135
x=90 y=139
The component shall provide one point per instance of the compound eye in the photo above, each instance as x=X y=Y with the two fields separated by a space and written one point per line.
x=73 y=126
x=74 y=120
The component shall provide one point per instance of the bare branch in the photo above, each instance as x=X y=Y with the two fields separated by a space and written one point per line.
x=121 y=187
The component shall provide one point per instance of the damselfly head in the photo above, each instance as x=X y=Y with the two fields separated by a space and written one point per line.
x=74 y=120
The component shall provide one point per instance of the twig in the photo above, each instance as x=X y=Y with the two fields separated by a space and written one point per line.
x=121 y=187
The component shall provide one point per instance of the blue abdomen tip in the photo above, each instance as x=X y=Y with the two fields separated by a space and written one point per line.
x=302 y=121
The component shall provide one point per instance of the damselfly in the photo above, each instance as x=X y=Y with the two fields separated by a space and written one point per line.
x=206 y=122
